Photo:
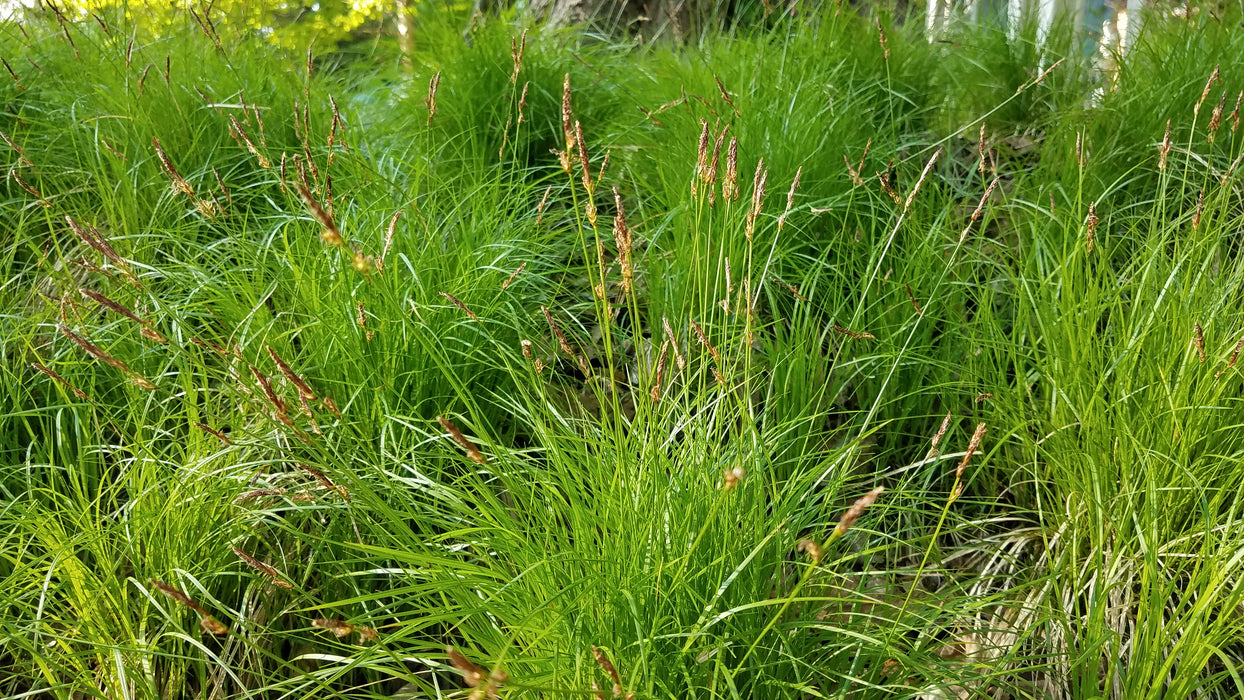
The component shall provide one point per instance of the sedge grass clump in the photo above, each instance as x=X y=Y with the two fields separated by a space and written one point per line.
x=663 y=418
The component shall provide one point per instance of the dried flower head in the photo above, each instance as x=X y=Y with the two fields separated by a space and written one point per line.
x=49 y=372
x=623 y=239
x=730 y=184
x=331 y=234
x=472 y=675
x=430 y=101
x=567 y=115
x=699 y=333
x=701 y=159
x=1215 y=119
x=1198 y=339
x=178 y=181
x=472 y=451
x=275 y=576
x=973 y=445
x=1165 y=149
x=454 y=300
x=1090 y=225
x=339 y=628
x=790 y=198
x=855 y=511
x=1213 y=78
x=925 y=173
x=732 y=478
x=811 y=548
x=758 y=195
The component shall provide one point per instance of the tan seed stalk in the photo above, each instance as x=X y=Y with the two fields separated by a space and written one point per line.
x=1215 y=119
x=1235 y=113
x=1165 y=149
x=49 y=372
x=1090 y=225
x=623 y=238
x=1200 y=207
x=730 y=184
x=209 y=624
x=660 y=372
x=513 y=276
x=171 y=171
x=980 y=150
x=925 y=173
x=679 y=360
x=1213 y=78
x=1198 y=339
x=454 y=300
x=430 y=101
x=790 y=199
x=275 y=576
x=471 y=450
x=853 y=334
x=701 y=159
x=339 y=628
x=855 y=511
x=13 y=74
x=980 y=208
x=331 y=234
x=758 y=195
x=21 y=155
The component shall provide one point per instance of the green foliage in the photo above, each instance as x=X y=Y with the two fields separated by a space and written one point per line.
x=484 y=436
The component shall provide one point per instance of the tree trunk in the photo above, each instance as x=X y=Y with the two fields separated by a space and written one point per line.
x=650 y=19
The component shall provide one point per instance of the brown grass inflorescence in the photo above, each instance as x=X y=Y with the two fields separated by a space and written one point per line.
x=275 y=576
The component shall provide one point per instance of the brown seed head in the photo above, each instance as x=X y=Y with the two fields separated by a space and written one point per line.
x=557 y=332
x=732 y=478
x=790 y=198
x=623 y=238
x=472 y=451
x=980 y=208
x=1215 y=119
x=454 y=300
x=973 y=445
x=49 y=372
x=178 y=181
x=567 y=114
x=21 y=155
x=980 y=150
x=274 y=575
x=1235 y=113
x=472 y=675
x=699 y=333
x=94 y=351
x=730 y=184
x=430 y=101
x=331 y=234
x=679 y=359
x=513 y=276
x=855 y=511
x=1213 y=78
x=758 y=195
x=1090 y=225
x=1165 y=149
x=812 y=549
x=292 y=377
x=925 y=173
x=701 y=159
x=1198 y=339
x=339 y=628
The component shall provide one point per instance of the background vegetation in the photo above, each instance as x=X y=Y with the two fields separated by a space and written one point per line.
x=264 y=436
